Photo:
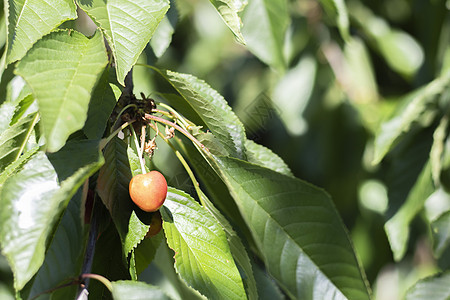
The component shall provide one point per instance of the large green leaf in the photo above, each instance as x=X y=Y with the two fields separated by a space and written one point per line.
x=62 y=70
x=29 y=20
x=265 y=24
x=128 y=24
x=13 y=139
x=202 y=254
x=26 y=215
x=112 y=186
x=297 y=229
x=135 y=290
x=415 y=108
x=33 y=199
x=228 y=10
x=436 y=288
x=213 y=110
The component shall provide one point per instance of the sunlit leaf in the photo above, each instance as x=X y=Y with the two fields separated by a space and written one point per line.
x=236 y=247
x=128 y=24
x=229 y=13
x=30 y=20
x=62 y=70
x=213 y=109
x=265 y=24
x=135 y=290
x=202 y=254
x=295 y=225
x=292 y=93
x=436 y=288
x=264 y=157
x=26 y=216
x=338 y=10
x=162 y=37
x=13 y=139
x=416 y=106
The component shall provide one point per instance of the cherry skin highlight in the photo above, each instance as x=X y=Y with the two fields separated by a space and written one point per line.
x=148 y=191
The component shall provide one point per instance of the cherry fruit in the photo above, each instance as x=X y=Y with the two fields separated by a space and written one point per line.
x=148 y=191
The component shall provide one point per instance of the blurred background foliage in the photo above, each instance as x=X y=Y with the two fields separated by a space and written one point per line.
x=317 y=93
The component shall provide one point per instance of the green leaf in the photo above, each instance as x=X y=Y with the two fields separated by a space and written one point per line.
x=17 y=165
x=228 y=10
x=6 y=114
x=146 y=251
x=13 y=140
x=135 y=290
x=236 y=247
x=128 y=25
x=162 y=37
x=65 y=255
x=268 y=290
x=62 y=70
x=436 y=288
x=24 y=107
x=338 y=10
x=28 y=210
x=101 y=105
x=260 y=155
x=265 y=25
x=213 y=110
x=441 y=233
x=397 y=228
x=292 y=94
x=295 y=226
x=415 y=108
x=112 y=186
x=30 y=20
x=202 y=254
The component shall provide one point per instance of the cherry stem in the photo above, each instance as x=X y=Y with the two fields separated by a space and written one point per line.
x=100 y=278
x=141 y=160
x=185 y=165
x=106 y=140
x=177 y=127
x=121 y=112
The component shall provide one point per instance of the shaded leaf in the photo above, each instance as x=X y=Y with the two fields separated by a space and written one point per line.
x=397 y=228
x=228 y=10
x=265 y=25
x=295 y=225
x=202 y=254
x=416 y=106
x=268 y=290
x=13 y=140
x=436 y=288
x=65 y=255
x=102 y=103
x=112 y=187
x=260 y=155
x=128 y=24
x=30 y=20
x=62 y=69
x=213 y=110
x=135 y=290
